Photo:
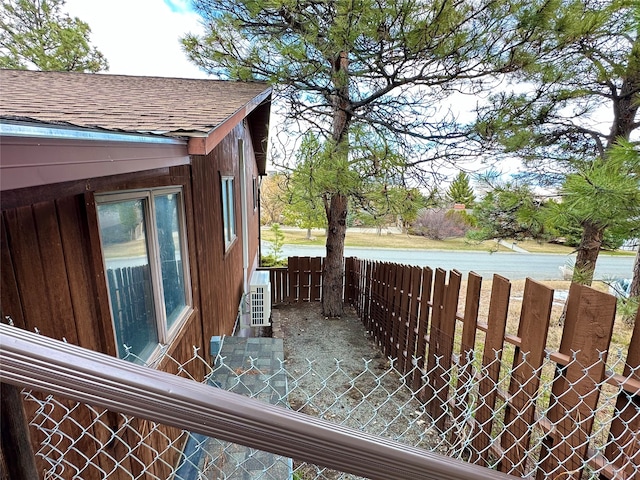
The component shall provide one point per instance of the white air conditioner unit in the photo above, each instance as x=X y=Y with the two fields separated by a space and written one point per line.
x=260 y=293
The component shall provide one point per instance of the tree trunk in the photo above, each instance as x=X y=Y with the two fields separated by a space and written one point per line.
x=333 y=270
x=336 y=205
x=308 y=234
x=635 y=283
x=590 y=243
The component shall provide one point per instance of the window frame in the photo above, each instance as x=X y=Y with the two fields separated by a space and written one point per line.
x=165 y=333
x=229 y=213
x=255 y=193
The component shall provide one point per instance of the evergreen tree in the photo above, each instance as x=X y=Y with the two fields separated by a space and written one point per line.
x=37 y=34
x=460 y=190
x=584 y=59
x=341 y=64
x=509 y=211
x=304 y=206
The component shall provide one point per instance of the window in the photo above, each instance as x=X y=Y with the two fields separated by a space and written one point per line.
x=228 y=212
x=143 y=242
x=255 y=193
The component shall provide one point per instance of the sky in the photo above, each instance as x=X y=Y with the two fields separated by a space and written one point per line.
x=140 y=37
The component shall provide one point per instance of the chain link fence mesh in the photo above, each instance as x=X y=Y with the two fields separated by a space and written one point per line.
x=378 y=399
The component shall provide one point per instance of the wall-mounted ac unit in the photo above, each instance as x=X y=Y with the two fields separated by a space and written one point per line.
x=260 y=293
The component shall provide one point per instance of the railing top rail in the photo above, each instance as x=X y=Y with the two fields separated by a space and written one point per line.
x=33 y=361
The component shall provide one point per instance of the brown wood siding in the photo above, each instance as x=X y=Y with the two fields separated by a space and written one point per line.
x=53 y=276
x=220 y=270
x=53 y=280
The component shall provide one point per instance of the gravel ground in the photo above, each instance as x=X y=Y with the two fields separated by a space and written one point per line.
x=338 y=373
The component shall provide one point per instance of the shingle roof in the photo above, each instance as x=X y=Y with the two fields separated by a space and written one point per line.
x=123 y=103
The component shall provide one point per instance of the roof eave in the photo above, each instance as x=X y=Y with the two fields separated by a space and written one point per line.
x=205 y=143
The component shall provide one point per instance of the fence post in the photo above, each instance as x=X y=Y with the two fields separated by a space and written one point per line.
x=519 y=413
x=19 y=459
x=623 y=449
x=575 y=392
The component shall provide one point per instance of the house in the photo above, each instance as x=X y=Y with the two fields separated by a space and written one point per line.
x=130 y=218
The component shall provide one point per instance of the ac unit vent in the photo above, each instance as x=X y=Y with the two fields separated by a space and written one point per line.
x=260 y=292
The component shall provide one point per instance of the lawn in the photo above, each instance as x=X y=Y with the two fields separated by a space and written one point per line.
x=359 y=238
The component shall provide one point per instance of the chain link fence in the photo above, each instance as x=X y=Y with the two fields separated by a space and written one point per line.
x=80 y=441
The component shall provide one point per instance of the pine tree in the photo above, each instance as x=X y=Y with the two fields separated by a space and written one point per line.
x=341 y=65
x=584 y=59
x=460 y=191
x=37 y=34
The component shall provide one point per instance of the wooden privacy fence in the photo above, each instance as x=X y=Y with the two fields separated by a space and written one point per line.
x=519 y=406
x=299 y=281
x=412 y=312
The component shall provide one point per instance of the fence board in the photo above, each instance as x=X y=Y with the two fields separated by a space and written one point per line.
x=423 y=322
x=623 y=449
x=382 y=274
x=572 y=408
x=525 y=377
x=396 y=313
x=492 y=355
x=382 y=304
x=412 y=332
x=294 y=279
x=435 y=409
x=387 y=325
x=304 y=279
x=467 y=344
x=403 y=320
x=316 y=279
x=445 y=342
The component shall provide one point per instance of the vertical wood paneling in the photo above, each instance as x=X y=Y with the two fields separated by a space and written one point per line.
x=74 y=244
x=10 y=295
x=220 y=271
x=55 y=271
x=31 y=277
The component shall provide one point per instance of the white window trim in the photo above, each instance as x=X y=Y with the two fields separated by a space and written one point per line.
x=165 y=335
x=229 y=231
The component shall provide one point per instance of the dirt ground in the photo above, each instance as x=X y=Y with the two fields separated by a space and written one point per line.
x=337 y=372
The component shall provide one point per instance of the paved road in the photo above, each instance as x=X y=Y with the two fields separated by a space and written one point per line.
x=539 y=266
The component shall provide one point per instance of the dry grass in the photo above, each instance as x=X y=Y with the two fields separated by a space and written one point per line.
x=355 y=238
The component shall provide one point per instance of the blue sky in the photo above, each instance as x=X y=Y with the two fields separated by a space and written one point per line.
x=140 y=37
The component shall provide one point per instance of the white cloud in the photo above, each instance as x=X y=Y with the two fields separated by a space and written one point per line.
x=140 y=37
